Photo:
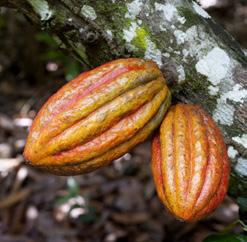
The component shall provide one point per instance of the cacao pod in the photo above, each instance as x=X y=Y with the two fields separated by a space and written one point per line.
x=97 y=117
x=189 y=163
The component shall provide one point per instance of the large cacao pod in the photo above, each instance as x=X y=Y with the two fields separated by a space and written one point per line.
x=190 y=163
x=97 y=117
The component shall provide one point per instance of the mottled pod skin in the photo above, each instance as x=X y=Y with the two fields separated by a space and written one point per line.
x=97 y=117
x=189 y=163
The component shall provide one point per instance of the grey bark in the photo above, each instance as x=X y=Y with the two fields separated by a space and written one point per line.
x=203 y=62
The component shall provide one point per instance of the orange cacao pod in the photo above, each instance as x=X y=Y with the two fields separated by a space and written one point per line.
x=97 y=117
x=190 y=163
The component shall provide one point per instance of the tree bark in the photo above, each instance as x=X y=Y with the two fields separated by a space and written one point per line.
x=202 y=62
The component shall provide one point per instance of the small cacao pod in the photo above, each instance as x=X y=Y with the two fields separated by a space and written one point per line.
x=189 y=163
x=97 y=117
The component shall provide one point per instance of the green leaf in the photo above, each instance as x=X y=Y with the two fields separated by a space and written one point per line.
x=72 y=69
x=88 y=218
x=73 y=187
x=242 y=203
x=54 y=55
x=46 y=38
x=64 y=199
x=226 y=238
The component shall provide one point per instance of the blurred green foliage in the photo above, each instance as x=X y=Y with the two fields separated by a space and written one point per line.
x=73 y=190
x=2 y=22
x=52 y=53
x=226 y=236
x=73 y=198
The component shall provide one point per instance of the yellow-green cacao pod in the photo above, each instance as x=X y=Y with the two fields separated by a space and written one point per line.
x=98 y=117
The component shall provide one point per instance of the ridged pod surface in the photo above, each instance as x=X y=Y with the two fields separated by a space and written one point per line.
x=190 y=163
x=98 y=116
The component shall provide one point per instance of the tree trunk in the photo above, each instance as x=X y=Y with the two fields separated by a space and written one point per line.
x=203 y=63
